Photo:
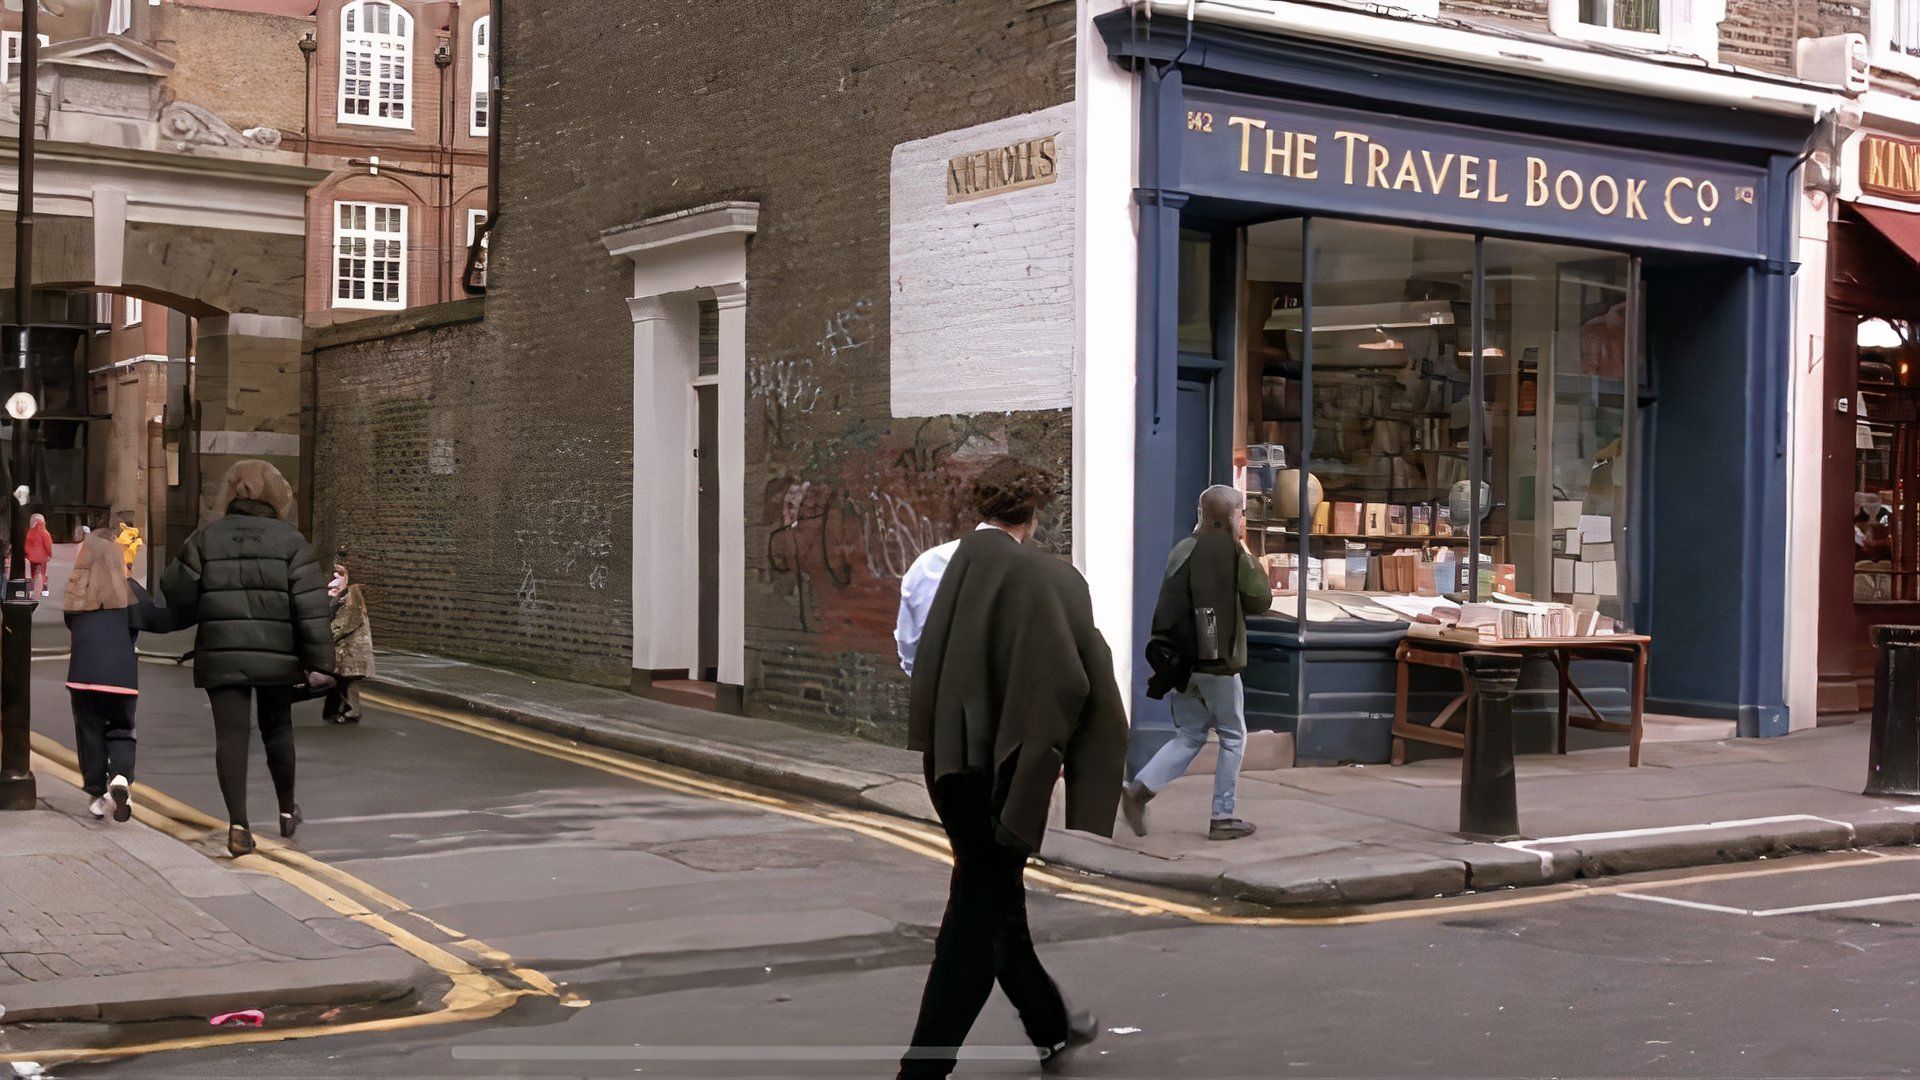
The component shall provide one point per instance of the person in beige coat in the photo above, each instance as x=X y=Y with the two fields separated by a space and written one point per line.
x=352 y=645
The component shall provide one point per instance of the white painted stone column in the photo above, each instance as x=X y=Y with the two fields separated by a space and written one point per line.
x=1106 y=260
x=665 y=587
x=731 y=299
x=1806 y=419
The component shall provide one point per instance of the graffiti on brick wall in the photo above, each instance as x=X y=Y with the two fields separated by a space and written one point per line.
x=848 y=518
x=570 y=544
x=789 y=387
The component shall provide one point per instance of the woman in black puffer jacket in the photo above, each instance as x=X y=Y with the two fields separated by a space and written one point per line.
x=252 y=583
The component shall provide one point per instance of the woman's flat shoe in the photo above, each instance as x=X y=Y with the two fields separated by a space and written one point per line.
x=239 y=840
x=290 y=822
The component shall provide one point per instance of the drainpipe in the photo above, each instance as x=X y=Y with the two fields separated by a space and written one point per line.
x=443 y=159
x=307 y=47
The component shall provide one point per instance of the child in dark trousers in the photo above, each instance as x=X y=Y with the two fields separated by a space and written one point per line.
x=105 y=612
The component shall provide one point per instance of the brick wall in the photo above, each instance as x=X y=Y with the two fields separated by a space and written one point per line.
x=464 y=498
x=521 y=554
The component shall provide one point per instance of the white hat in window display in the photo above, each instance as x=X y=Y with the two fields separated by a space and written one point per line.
x=1286 y=494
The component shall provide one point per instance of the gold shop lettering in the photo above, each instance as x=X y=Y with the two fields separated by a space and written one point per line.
x=1890 y=167
x=1003 y=168
x=1360 y=160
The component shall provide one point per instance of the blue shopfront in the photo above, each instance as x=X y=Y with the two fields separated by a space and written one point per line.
x=1437 y=316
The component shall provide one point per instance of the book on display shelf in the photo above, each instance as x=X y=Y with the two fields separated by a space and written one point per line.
x=1346 y=518
x=1420 y=520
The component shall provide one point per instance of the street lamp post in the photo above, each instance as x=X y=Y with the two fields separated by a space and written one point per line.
x=17 y=789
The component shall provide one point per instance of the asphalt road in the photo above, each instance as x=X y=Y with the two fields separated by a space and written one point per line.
x=713 y=939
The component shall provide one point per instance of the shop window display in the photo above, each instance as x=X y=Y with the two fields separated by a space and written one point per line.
x=1886 y=453
x=1357 y=361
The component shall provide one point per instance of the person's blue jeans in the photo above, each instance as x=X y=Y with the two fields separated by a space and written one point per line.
x=1210 y=702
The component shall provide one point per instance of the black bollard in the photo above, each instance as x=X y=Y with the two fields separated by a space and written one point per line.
x=1489 y=805
x=1893 y=750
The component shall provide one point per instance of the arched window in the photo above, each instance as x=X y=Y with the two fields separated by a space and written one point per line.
x=376 y=84
x=482 y=76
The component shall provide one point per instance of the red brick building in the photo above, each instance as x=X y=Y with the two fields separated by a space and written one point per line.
x=397 y=103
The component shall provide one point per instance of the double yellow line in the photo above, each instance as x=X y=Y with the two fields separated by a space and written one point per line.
x=475 y=993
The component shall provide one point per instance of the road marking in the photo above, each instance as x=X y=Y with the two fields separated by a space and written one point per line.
x=1837 y=905
x=1546 y=857
x=1766 y=913
x=1069 y=884
x=1694 y=904
x=474 y=994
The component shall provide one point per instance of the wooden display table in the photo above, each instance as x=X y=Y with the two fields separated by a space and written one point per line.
x=1429 y=652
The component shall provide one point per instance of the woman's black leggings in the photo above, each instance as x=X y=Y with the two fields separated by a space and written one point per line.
x=232 y=737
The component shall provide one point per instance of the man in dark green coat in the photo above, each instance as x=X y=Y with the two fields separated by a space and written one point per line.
x=1012 y=687
x=1210 y=571
x=252 y=583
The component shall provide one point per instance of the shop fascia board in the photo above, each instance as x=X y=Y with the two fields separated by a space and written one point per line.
x=163 y=188
x=1517 y=56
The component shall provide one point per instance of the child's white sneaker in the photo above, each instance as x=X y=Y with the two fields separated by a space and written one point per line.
x=119 y=789
x=99 y=808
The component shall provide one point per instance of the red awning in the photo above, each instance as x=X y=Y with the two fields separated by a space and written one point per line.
x=1900 y=228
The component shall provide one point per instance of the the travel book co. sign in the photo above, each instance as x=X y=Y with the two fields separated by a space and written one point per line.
x=1332 y=160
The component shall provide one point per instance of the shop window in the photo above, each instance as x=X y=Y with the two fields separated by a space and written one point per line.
x=376 y=85
x=1686 y=26
x=1361 y=349
x=479 y=120
x=1886 y=457
x=369 y=255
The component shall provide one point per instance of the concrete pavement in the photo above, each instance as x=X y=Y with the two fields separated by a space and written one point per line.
x=104 y=921
x=1329 y=835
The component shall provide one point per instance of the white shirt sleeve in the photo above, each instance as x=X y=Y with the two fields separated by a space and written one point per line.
x=917 y=590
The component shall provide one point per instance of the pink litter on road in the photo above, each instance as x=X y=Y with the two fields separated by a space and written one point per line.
x=243 y=1018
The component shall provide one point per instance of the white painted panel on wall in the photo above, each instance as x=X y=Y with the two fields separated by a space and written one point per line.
x=982 y=267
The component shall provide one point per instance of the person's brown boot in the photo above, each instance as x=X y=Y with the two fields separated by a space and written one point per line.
x=1231 y=828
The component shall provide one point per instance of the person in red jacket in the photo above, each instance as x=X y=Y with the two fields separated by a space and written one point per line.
x=39 y=553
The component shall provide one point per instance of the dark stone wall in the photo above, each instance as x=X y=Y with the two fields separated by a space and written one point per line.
x=520 y=555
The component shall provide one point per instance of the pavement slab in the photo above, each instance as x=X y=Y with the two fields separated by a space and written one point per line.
x=1335 y=834
x=105 y=921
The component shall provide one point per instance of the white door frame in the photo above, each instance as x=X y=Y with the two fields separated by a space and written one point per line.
x=678 y=259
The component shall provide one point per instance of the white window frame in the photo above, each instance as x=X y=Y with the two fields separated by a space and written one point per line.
x=393 y=50
x=474 y=219
x=1686 y=26
x=479 y=116
x=10 y=52
x=119 y=16
x=344 y=235
x=135 y=312
x=103 y=312
x=1883 y=35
